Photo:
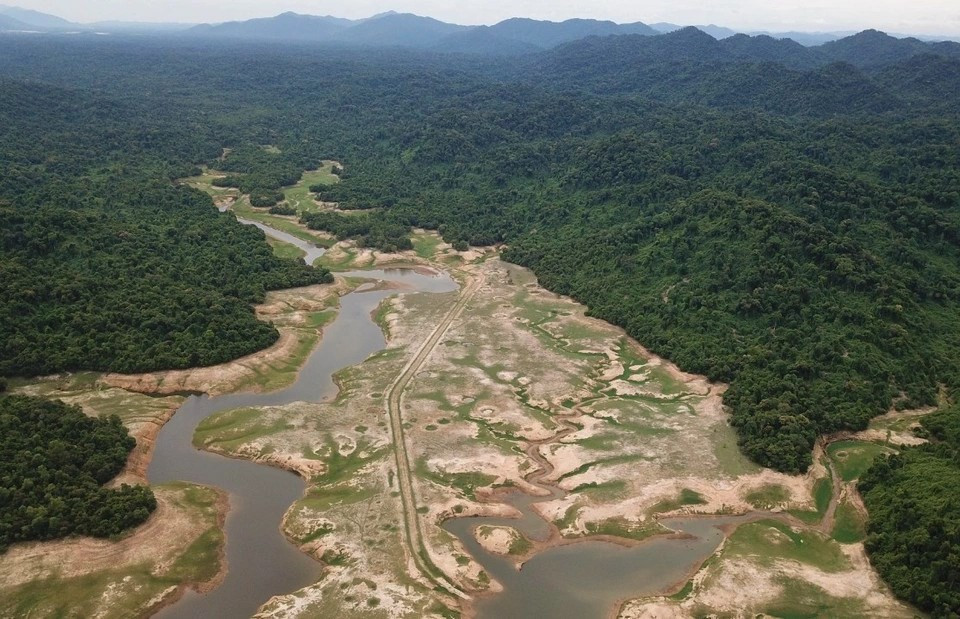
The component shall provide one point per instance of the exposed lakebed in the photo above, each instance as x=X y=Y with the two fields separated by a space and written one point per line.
x=261 y=562
x=582 y=579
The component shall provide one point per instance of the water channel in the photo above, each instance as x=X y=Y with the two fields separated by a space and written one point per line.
x=261 y=563
x=573 y=581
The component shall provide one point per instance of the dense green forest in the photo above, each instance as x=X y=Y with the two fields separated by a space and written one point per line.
x=107 y=265
x=914 y=529
x=54 y=461
x=788 y=226
x=808 y=256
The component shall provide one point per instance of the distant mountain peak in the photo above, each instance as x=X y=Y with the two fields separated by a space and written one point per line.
x=690 y=32
x=35 y=18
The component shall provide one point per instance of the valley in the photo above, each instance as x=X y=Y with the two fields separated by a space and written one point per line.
x=573 y=319
x=497 y=402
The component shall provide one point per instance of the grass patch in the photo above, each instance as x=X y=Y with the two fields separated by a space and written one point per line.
x=768 y=496
x=686 y=497
x=243 y=209
x=803 y=600
x=231 y=429
x=285 y=250
x=84 y=388
x=683 y=593
x=125 y=591
x=822 y=495
x=380 y=316
x=319 y=320
x=769 y=539
x=601 y=491
x=730 y=459
x=520 y=545
x=850 y=526
x=299 y=197
x=426 y=245
x=343 y=263
x=621 y=459
x=618 y=527
x=466 y=483
x=283 y=372
x=853 y=458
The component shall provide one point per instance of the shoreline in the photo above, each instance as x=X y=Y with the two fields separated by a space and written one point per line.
x=174 y=596
x=342 y=289
x=141 y=457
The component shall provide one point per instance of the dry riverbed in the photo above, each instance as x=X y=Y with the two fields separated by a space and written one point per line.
x=522 y=385
x=516 y=365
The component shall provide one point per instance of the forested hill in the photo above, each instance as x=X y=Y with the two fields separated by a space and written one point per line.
x=780 y=76
x=806 y=252
x=106 y=265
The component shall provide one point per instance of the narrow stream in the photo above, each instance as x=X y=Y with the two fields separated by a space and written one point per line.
x=313 y=251
x=261 y=563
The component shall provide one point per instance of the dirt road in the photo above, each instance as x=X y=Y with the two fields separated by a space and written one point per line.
x=414 y=535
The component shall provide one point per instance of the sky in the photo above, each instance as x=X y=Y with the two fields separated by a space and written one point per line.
x=926 y=17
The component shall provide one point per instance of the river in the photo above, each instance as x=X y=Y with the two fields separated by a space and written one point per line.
x=569 y=581
x=261 y=563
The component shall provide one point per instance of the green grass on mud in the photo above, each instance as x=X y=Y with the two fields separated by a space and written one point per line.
x=769 y=540
x=853 y=458
x=121 y=593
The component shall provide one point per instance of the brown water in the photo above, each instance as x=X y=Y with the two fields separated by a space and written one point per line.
x=583 y=580
x=587 y=579
x=261 y=563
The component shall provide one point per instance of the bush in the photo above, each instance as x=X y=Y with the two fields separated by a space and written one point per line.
x=263 y=198
x=283 y=209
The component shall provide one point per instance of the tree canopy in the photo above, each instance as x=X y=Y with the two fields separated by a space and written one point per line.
x=54 y=461
x=914 y=528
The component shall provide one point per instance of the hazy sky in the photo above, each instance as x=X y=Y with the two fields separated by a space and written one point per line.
x=911 y=16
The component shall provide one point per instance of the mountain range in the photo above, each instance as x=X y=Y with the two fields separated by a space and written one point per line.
x=16 y=19
x=512 y=37
x=869 y=72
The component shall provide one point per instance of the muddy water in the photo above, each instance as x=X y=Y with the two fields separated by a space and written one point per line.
x=585 y=580
x=581 y=580
x=261 y=563
x=313 y=251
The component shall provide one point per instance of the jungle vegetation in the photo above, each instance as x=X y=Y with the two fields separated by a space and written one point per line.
x=106 y=263
x=54 y=461
x=914 y=528
x=806 y=255
x=788 y=226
